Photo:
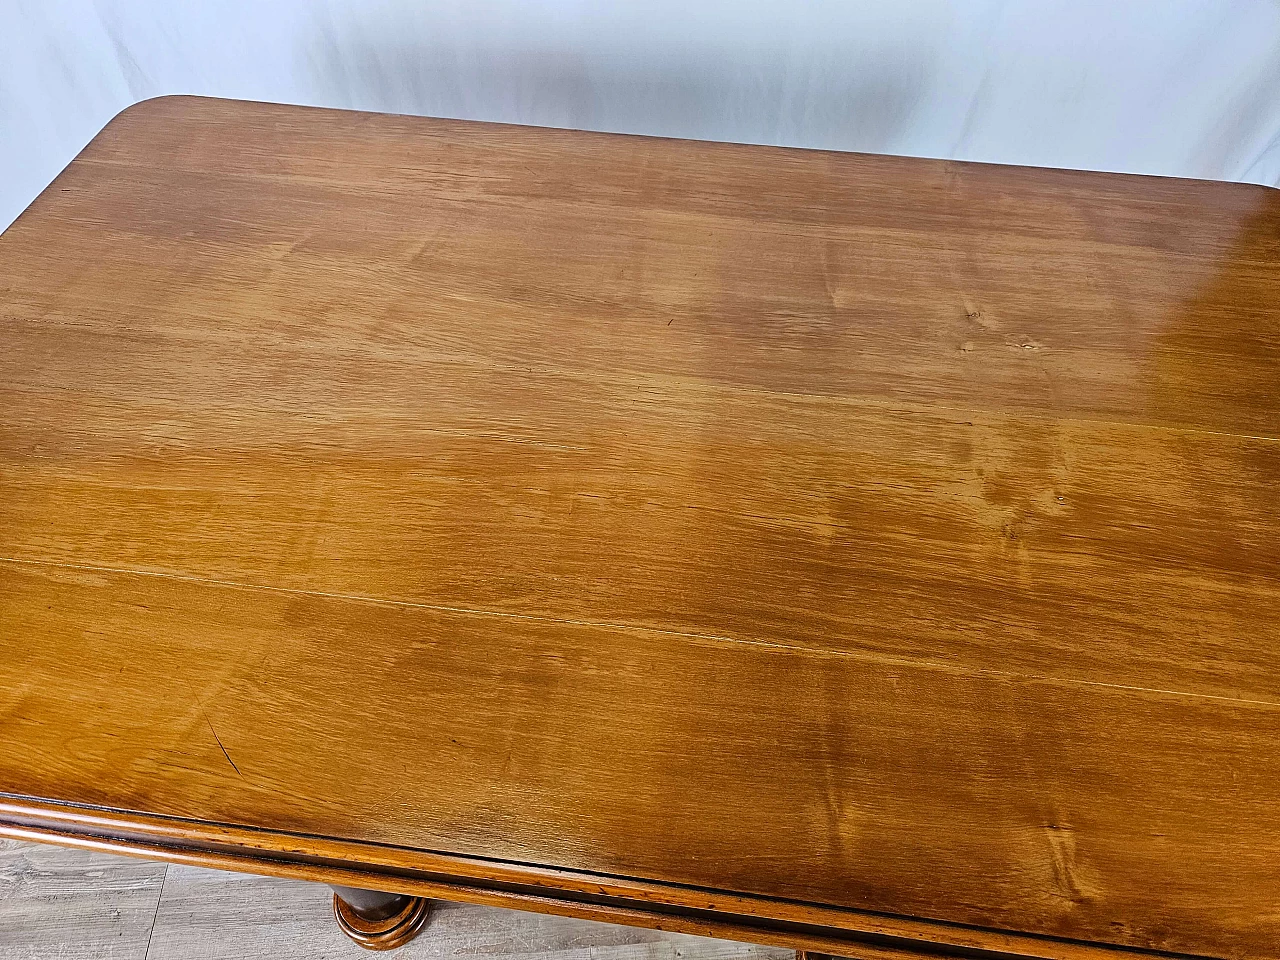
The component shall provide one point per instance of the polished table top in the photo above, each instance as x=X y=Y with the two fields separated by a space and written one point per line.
x=736 y=535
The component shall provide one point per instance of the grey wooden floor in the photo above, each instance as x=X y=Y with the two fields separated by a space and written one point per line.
x=73 y=905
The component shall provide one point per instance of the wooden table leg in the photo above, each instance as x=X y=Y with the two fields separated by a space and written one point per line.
x=379 y=921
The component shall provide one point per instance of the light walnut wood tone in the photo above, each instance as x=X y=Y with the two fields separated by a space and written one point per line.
x=825 y=550
x=702 y=912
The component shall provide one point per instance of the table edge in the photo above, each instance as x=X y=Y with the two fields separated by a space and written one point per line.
x=846 y=932
x=158 y=101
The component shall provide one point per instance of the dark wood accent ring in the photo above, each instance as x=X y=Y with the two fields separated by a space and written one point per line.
x=386 y=928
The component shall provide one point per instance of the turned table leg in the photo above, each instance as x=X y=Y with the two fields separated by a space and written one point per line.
x=379 y=921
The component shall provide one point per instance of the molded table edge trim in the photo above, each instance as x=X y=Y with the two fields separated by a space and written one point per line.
x=512 y=885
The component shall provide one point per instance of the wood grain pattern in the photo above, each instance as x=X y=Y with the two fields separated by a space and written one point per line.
x=853 y=934
x=66 y=904
x=211 y=915
x=854 y=537
x=61 y=902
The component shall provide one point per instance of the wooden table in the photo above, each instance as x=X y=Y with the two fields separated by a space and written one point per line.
x=866 y=555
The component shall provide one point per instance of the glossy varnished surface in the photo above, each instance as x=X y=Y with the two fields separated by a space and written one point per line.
x=877 y=534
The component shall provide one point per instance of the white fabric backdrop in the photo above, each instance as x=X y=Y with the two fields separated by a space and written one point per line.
x=1176 y=87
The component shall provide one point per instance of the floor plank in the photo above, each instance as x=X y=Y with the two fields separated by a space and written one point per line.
x=65 y=904
x=209 y=915
x=74 y=905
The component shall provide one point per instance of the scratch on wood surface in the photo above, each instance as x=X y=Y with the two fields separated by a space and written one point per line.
x=221 y=747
